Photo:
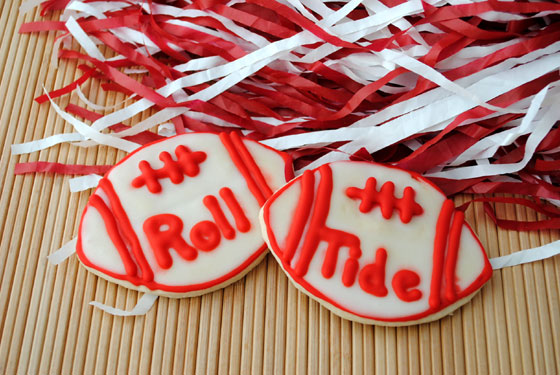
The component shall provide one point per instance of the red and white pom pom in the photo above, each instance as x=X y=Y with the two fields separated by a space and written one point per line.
x=462 y=92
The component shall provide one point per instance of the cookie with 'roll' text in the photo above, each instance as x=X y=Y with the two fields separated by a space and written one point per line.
x=374 y=244
x=179 y=217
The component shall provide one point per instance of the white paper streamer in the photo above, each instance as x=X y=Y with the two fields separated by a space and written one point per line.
x=428 y=109
x=88 y=132
x=83 y=39
x=488 y=146
x=144 y=305
x=376 y=138
x=40 y=144
x=540 y=130
x=87 y=9
x=526 y=256
x=433 y=75
x=98 y=107
x=64 y=252
x=84 y=182
x=232 y=71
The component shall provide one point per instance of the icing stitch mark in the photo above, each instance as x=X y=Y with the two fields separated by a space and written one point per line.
x=386 y=200
x=247 y=166
x=187 y=163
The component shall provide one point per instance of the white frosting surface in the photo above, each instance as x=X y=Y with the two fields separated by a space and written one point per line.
x=185 y=200
x=102 y=248
x=409 y=246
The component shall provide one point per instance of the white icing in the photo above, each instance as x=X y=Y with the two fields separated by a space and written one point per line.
x=283 y=208
x=467 y=261
x=409 y=246
x=185 y=200
x=98 y=245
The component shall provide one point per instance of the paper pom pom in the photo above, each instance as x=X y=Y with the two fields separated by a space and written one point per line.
x=462 y=92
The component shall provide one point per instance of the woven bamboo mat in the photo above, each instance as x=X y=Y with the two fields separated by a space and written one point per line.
x=260 y=324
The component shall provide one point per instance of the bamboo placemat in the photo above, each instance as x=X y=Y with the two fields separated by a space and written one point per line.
x=260 y=324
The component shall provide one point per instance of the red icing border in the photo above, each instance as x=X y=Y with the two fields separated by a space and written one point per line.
x=483 y=277
x=152 y=285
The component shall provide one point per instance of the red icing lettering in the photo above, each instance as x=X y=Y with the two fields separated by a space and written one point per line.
x=351 y=268
x=372 y=276
x=386 y=200
x=440 y=242
x=403 y=282
x=247 y=166
x=163 y=240
x=337 y=239
x=213 y=206
x=187 y=163
x=205 y=235
x=241 y=222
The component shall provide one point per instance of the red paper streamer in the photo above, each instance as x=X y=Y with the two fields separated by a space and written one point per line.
x=49 y=167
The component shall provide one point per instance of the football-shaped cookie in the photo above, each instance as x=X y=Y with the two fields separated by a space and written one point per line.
x=179 y=217
x=374 y=244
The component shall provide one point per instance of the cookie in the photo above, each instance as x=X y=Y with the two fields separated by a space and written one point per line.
x=374 y=244
x=179 y=217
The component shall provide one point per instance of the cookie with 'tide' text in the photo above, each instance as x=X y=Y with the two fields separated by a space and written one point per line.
x=374 y=244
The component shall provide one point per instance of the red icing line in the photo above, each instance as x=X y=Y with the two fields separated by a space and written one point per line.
x=249 y=161
x=187 y=163
x=242 y=167
x=402 y=283
x=386 y=200
x=163 y=240
x=318 y=219
x=372 y=276
x=241 y=221
x=440 y=243
x=205 y=235
x=484 y=276
x=337 y=239
x=318 y=231
x=301 y=215
x=127 y=230
x=451 y=257
x=113 y=231
x=213 y=206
